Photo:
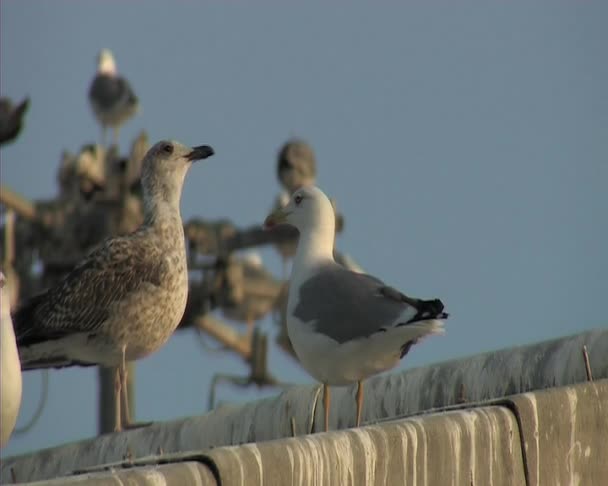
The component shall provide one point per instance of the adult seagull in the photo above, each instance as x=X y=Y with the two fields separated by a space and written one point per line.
x=344 y=326
x=111 y=96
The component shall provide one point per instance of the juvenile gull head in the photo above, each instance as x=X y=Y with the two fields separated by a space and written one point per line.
x=164 y=169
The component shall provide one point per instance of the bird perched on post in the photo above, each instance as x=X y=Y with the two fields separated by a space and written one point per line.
x=344 y=326
x=11 y=119
x=296 y=165
x=125 y=299
x=111 y=97
x=10 y=373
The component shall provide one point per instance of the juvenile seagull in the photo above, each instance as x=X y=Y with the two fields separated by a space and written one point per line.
x=111 y=97
x=125 y=299
x=10 y=373
x=344 y=326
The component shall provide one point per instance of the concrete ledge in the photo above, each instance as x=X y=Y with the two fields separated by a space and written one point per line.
x=255 y=421
x=181 y=473
x=555 y=436
x=483 y=377
x=479 y=446
x=565 y=433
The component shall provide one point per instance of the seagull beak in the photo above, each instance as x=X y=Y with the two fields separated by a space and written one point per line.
x=278 y=216
x=199 y=153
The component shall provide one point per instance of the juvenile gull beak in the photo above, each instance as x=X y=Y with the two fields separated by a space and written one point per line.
x=278 y=216
x=199 y=153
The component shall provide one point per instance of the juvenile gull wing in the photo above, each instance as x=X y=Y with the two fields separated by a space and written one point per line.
x=84 y=300
x=346 y=305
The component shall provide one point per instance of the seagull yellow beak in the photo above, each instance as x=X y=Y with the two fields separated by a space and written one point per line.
x=278 y=216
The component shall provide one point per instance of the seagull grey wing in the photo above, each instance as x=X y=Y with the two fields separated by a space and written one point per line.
x=346 y=305
x=109 y=92
x=84 y=299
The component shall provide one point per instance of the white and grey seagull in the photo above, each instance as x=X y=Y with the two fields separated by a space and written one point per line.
x=125 y=299
x=111 y=97
x=10 y=371
x=344 y=326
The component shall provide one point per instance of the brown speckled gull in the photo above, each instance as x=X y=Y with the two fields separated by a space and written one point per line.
x=125 y=299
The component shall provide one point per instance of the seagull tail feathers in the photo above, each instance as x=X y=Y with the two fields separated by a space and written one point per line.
x=428 y=310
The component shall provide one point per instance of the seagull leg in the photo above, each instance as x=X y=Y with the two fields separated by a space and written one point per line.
x=117 y=398
x=125 y=389
x=125 y=395
x=326 y=399
x=359 y=401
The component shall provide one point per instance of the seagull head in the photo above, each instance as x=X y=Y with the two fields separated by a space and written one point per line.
x=308 y=209
x=164 y=168
x=106 y=63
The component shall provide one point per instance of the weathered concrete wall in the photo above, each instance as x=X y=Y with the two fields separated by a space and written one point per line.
x=479 y=446
x=486 y=376
x=555 y=436
x=565 y=434
x=550 y=437
x=188 y=473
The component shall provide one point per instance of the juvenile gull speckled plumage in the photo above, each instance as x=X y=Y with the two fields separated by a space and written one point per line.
x=10 y=371
x=111 y=97
x=344 y=326
x=125 y=299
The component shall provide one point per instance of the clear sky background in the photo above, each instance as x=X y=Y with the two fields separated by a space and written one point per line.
x=465 y=142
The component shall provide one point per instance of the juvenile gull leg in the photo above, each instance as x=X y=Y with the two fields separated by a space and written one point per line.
x=359 y=401
x=124 y=396
x=117 y=395
x=326 y=400
x=124 y=373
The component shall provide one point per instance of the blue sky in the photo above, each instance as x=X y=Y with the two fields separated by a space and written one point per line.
x=465 y=142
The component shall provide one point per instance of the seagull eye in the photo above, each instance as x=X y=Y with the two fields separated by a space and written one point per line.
x=298 y=199
x=167 y=148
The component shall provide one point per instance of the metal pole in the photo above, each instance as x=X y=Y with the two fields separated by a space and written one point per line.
x=107 y=397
